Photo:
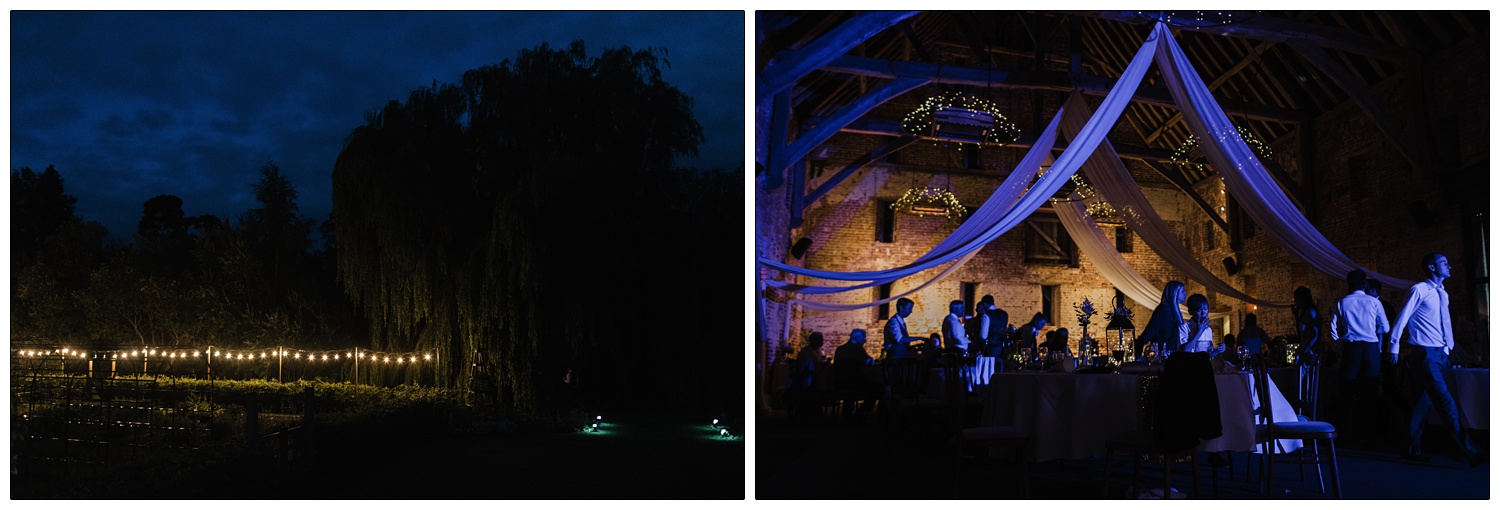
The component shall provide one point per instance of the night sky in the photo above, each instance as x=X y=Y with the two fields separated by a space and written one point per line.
x=130 y=105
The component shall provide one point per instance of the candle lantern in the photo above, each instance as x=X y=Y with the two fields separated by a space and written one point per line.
x=1119 y=333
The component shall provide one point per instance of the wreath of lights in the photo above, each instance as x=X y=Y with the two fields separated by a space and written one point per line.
x=1096 y=208
x=935 y=197
x=1180 y=156
x=1000 y=132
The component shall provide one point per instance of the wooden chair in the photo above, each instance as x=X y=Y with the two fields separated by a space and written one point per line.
x=1146 y=443
x=1268 y=431
x=955 y=394
x=905 y=382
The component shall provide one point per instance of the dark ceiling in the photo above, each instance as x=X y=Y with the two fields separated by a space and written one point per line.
x=1271 y=69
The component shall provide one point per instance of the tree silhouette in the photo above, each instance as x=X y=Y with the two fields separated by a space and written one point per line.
x=463 y=214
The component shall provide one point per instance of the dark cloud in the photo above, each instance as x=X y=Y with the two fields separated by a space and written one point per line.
x=130 y=105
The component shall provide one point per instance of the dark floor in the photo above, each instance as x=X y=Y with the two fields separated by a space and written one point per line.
x=828 y=458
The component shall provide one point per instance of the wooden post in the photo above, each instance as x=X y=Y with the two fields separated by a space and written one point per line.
x=279 y=354
x=307 y=424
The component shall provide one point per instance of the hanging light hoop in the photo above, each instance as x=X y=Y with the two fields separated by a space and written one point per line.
x=980 y=120
x=919 y=200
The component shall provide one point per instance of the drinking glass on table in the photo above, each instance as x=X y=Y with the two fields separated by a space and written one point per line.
x=1025 y=354
x=1243 y=353
x=1041 y=352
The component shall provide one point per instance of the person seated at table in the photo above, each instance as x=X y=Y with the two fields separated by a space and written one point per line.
x=1197 y=334
x=850 y=374
x=1251 y=336
x=1057 y=341
x=1027 y=335
x=1227 y=350
x=932 y=348
x=1164 y=328
x=808 y=361
x=799 y=388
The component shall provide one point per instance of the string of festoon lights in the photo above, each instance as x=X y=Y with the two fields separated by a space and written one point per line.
x=214 y=354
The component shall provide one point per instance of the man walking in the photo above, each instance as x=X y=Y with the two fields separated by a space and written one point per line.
x=1430 y=338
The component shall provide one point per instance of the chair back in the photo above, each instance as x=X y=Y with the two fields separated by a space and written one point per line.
x=1187 y=402
x=1307 y=387
x=904 y=377
x=954 y=391
x=1261 y=368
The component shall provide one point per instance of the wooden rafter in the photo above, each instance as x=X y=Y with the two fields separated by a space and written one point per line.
x=1011 y=78
x=849 y=113
x=1362 y=96
x=1270 y=28
x=1177 y=179
x=858 y=163
x=793 y=65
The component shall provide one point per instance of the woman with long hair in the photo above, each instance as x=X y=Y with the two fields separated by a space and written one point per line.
x=1166 y=321
x=1306 y=313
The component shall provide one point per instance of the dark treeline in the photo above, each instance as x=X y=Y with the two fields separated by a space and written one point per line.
x=256 y=280
x=530 y=212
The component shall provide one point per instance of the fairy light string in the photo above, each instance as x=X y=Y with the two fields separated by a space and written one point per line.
x=306 y=356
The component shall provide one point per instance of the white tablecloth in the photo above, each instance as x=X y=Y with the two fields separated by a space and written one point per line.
x=1070 y=416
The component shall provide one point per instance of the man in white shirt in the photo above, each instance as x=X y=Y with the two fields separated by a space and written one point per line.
x=900 y=345
x=953 y=328
x=1358 y=323
x=1430 y=338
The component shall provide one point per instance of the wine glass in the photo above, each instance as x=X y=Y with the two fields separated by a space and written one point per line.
x=1025 y=354
x=1243 y=353
x=1150 y=353
x=1041 y=352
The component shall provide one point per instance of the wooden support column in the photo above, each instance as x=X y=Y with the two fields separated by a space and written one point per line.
x=1307 y=145
x=781 y=112
x=799 y=187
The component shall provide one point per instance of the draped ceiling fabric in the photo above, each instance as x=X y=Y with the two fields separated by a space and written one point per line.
x=1048 y=184
x=1243 y=174
x=1235 y=162
x=989 y=214
x=1109 y=175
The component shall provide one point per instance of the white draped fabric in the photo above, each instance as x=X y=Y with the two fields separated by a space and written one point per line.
x=1096 y=246
x=1243 y=174
x=1052 y=180
x=1109 y=175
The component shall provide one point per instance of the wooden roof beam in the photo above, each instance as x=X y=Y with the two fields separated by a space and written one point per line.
x=1362 y=96
x=849 y=113
x=1270 y=28
x=1026 y=79
x=790 y=66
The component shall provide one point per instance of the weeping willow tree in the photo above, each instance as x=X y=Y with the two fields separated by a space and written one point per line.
x=489 y=216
